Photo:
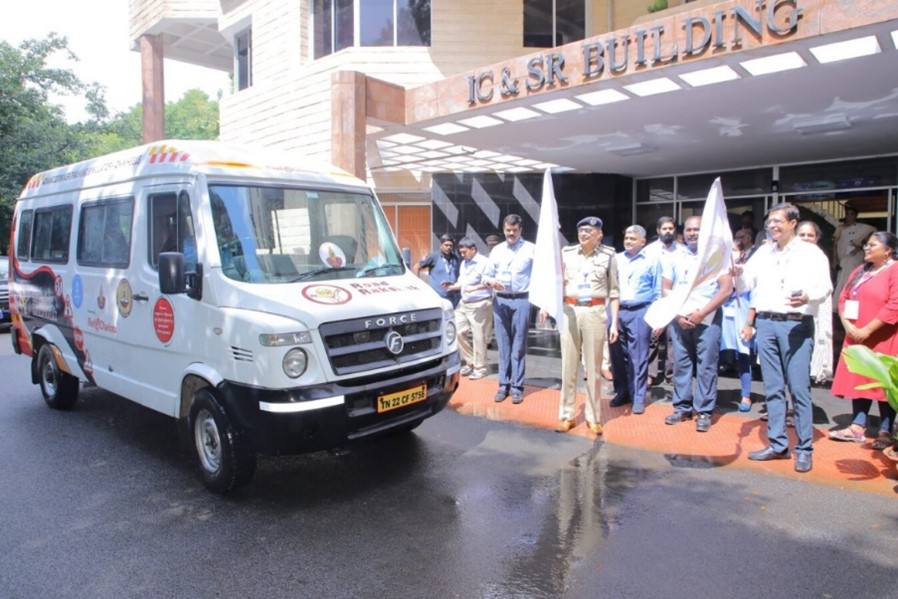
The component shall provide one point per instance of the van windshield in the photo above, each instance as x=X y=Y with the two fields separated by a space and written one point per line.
x=284 y=235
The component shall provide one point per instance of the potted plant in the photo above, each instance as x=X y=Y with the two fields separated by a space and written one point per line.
x=883 y=369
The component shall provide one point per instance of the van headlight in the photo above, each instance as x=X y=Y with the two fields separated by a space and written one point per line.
x=449 y=319
x=295 y=363
x=282 y=339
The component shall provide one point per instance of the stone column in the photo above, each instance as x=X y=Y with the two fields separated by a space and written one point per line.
x=153 y=82
x=348 y=120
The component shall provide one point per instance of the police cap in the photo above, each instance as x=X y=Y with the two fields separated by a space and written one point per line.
x=590 y=221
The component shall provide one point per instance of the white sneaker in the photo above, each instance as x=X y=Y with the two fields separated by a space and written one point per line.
x=476 y=375
x=466 y=370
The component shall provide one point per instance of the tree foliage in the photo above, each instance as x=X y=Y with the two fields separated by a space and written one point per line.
x=33 y=132
x=35 y=136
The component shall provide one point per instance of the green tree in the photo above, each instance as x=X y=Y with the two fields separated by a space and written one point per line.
x=34 y=134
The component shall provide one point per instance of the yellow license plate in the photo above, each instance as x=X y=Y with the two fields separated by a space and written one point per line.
x=400 y=399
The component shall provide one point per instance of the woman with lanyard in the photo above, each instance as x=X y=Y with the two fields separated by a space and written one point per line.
x=868 y=308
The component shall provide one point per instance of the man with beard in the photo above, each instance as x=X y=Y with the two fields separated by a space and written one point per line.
x=662 y=250
x=695 y=333
x=442 y=265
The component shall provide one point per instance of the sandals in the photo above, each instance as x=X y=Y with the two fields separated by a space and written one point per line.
x=846 y=434
x=882 y=441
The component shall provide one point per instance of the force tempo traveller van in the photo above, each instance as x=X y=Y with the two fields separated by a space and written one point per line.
x=262 y=303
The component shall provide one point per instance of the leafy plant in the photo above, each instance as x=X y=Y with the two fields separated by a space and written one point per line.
x=882 y=368
x=658 y=5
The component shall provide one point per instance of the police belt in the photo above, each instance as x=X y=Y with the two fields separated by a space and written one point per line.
x=574 y=301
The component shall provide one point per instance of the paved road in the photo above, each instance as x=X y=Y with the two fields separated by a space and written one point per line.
x=102 y=502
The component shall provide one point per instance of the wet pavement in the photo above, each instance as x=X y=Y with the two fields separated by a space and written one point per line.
x=733 y=434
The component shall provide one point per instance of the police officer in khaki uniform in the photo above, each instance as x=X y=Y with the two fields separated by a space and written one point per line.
x=590 y=282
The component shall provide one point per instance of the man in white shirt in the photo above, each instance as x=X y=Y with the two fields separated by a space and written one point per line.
x=790 y=278
x=474 y=313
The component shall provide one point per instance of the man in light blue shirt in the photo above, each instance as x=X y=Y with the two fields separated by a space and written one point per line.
x=508 y=273
x=695 y=333
x=639 y=278
x=474 y=313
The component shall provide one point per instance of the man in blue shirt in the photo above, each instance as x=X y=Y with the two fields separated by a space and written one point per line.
x=508 y=273
x=442 y=266
x=695 y=333
x=639 y=278
x=474 y=314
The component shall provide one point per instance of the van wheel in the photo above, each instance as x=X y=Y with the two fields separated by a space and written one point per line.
x=59 y=388
x=224 y=455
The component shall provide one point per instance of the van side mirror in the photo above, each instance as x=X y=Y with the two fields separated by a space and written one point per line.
x=173 y=279
x=171 y=273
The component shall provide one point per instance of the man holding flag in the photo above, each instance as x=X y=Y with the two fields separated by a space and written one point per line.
x=693 y=288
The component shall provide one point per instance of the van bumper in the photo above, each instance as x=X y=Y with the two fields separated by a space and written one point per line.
x=304 y=419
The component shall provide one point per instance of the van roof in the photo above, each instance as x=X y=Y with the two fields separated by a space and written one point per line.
x=186 y=157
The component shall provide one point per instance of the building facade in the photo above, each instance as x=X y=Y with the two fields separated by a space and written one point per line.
x=452 y=108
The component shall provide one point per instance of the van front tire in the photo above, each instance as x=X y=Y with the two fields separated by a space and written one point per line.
x=224 y=455
x=60 y=389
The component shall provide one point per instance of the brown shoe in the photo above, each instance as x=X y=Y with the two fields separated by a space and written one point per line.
x=564 y=426
x=594 y=428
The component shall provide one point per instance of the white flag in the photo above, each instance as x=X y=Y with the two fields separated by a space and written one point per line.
x=546 y=278
x=715 y=248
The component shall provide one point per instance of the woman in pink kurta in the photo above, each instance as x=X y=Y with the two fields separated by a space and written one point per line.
x=868 y=308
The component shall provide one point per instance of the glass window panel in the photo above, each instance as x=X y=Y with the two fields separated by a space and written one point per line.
x=655 y=190
x=873 y=172
x=244 y=57
x=343 y=23
x=414 y=22
x=376 y=23
x=538 y=24
x=322 y=26
x=570 y=21
x=648 y=215
x=22 y=250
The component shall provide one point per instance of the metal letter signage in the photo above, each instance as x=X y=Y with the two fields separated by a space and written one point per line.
x=721 y=30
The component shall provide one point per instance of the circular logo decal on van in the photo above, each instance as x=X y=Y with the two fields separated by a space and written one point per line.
x=164 y=320
x=331 y=254
x=326 y=294
x=77 y=291
x=123 y=298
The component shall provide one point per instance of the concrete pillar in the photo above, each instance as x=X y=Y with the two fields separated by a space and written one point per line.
x=348 y=121
x=153 y=82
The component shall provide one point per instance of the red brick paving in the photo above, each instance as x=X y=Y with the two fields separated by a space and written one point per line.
x=847 y=465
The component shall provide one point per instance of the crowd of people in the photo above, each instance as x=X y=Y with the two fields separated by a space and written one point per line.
x=772 y=309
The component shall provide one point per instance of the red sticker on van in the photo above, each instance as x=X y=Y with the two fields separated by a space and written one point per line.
x=164 y=320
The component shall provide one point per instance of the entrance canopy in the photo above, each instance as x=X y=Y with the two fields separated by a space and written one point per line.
x=727 y=86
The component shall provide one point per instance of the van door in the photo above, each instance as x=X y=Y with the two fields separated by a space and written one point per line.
x=161 y=322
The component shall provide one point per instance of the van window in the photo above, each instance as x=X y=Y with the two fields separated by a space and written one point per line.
x=281 y=235
x=52 y=231
x=104 y=233
x=171 y=228
x=23 y=245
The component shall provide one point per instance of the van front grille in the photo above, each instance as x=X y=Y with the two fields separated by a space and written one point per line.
x=362 y=344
